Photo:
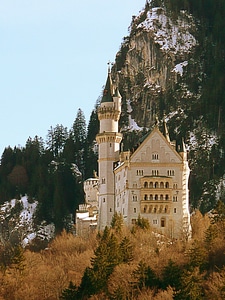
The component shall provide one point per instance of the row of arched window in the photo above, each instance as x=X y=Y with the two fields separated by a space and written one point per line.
x=156 y=209
x=156 y=197
x=156 y=185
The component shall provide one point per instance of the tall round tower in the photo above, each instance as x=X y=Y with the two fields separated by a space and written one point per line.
x=108 y=140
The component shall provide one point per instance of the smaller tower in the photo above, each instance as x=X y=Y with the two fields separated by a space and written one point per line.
x=108 y=140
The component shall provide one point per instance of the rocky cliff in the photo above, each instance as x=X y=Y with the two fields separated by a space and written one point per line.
x=162 y=68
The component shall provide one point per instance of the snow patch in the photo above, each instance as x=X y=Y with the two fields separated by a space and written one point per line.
x=22 y=217
x=171 y=37
x=179 y=68
x=132 y=124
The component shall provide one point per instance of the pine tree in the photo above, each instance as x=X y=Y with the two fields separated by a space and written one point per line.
x=69 y=293
x=126 y=250
x=79 y=134
x=171 y=275
x=146 y=277
x=56 y=139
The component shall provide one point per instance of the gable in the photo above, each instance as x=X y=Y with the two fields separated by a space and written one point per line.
x=156 y=149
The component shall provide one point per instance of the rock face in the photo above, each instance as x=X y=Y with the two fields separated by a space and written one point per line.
x=152 y=60
x=165 y=67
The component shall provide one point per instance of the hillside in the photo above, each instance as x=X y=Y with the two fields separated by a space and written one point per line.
x=172 y=63
x=121 y=264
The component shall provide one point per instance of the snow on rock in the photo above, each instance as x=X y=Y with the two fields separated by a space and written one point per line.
x=132 y=124
x=179 y=68
x=21 y=213
x=171 y=37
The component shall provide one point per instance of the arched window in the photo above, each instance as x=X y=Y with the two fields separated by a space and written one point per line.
x=146 y=197
x=155 y=156
x=156 y=185
x=156 y=197
x=161 y=197
x=167 y=197
x=167 y=185
x=151 y=185
x=161 y=185
x=145 y=184
x=151 y=197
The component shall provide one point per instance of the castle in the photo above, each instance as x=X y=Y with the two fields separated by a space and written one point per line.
x=150 y=182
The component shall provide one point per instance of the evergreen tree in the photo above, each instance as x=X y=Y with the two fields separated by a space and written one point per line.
x=56 y=139
x=106 y=258
x=126 y=250
x=117 y=222
x=79 y=137
x=69 y=293
x=146 y=277
x=192 y=288
x=171 y=275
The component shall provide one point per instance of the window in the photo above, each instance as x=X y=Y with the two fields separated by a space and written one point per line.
x=151 y=197
x=170 y=172
x=146 y=197
x=154 y=222
x=103 y=199
x=161 y=185
x=175 y=210
x=167 y=197
x=174 y=198
x=145 y=184
x=161 y=197
x=110 y=210
x=167 y=185
x=155 y=172
x=103 y=180
x=155 y=156
x=163 y=222
x=134 y=197
x=135 y=210
x=156 y=197
x=156 y=185
x=140 y=172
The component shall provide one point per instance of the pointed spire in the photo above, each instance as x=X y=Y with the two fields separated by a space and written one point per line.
x=107 y=92
x=156 y=121
x=165 y=129
x=117 y=93
x=183 y=147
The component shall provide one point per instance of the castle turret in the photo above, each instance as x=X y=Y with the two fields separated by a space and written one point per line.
x=109 y=143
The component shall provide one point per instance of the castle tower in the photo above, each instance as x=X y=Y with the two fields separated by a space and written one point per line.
x=108 y=140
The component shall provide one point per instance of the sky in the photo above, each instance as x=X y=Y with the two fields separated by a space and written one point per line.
x=53 y=61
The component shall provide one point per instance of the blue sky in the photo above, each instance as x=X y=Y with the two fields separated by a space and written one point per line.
x=53 y=60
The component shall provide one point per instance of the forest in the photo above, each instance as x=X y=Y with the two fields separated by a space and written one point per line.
x=51 y=171
x=121 y=264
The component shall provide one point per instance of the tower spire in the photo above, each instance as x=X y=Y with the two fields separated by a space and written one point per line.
x=165 y=129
